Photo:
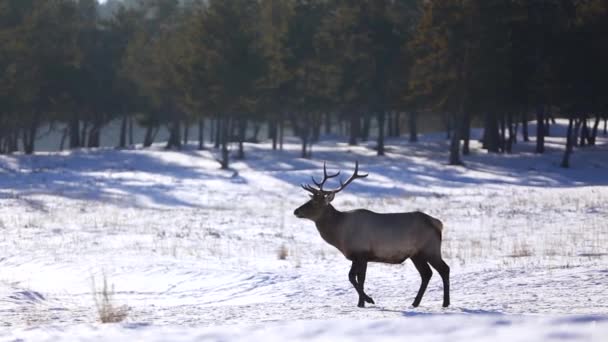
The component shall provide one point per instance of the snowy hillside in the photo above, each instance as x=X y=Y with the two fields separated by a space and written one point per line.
x=199 y=253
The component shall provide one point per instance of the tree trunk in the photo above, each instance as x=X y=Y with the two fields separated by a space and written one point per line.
x=241 y=134
x=577 y=125
x=380 y=145
x=316 y=127
x=223 y=136
x=74 y=129
x=122 y=140
x=63 y=138
x=448 y=126
x=281 y=130
x=491 y=141
x=25 y=139
x=355 y=128
x=466 y=133
x=271 y=124
x=257 y=127
x=455 y=144
x=13 y=143
x=367 y=122
x=186 y=133
x=83 y=136
x=309 y=152
x=304 y=145
x=212 y=126
x=593 y=135
x=304 y=132
x=219 y=123
x=584 y=133
x=397 y=123
x=233 y=130
x=201 y=134
x=4 y=145
x=547 y=127
x=566 y=160
x=389 y=118
x=174 y=135
x=327 y=123
x=540 y=130
x=94 y=136
x=273 y=133
x=524 y=126
x=503 y=133
x=130 y=130
x=150 y=135
x=8 y=144
x=413 y=126
x=509 y=147
x=606 y=126
x=29 y=138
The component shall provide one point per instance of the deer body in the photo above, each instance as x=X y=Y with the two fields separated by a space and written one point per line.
x=365 y=236
x=387 y=238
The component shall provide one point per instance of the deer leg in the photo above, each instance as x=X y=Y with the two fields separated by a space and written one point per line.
x=425 y=274
x=352 y=276
x=357 y=278
x=444 y=272
x=361 y=281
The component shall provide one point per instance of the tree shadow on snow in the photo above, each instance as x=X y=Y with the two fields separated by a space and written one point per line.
x=424 y=164
x=408 y=169
x=104 y=175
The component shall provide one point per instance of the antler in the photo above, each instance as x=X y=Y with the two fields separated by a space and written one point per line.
x=343 y=185
x=320 y=190
x=352 y=178
x=325 y=177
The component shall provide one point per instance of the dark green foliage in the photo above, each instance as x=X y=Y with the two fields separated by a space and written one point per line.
x=302 y=64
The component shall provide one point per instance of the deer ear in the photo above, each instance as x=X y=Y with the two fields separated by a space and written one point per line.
x=329 y=198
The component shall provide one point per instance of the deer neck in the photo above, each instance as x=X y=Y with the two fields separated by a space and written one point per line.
x=328 y=225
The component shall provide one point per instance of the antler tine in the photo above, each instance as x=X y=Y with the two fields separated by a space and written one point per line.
x=325 y=177
x=309 y=189
x=352 y=178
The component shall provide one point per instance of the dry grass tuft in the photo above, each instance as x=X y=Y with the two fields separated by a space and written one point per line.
x=282 y=253
x=521 y=249
x=106 y=309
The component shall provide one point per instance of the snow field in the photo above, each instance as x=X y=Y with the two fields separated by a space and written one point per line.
x=195 y=252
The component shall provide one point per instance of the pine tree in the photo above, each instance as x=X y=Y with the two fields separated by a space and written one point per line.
x=234 y=63
x=275 y=16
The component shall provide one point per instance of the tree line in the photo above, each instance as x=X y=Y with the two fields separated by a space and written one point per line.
x=302 y=65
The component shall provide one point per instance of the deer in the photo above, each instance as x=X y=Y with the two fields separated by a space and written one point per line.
x=365 y=236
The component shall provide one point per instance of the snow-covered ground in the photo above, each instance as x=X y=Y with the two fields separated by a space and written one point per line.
x=195 y=252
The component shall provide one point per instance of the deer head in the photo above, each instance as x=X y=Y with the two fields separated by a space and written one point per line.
x=320 y=198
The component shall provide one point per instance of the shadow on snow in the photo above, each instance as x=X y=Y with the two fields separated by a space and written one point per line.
x=408 y=169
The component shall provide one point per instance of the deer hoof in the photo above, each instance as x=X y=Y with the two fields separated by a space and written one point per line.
x=369 y=300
